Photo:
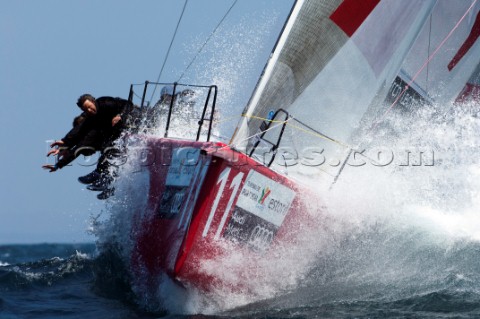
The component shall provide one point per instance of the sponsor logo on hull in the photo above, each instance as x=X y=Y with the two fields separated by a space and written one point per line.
x=260 y=210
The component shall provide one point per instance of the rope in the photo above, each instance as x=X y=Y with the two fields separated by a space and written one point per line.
x=424 y=65
x=279 y=123
x=169 y=48
x=310 y=130
x=205 y=43
x=287 y=122
x=259 y=133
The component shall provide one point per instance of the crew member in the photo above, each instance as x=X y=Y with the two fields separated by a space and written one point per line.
x=105 y=119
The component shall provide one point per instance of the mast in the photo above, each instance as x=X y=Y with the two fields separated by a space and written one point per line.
x=268 y=69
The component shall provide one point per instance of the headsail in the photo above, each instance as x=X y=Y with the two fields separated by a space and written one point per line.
x=332 y=59
x=443 y=59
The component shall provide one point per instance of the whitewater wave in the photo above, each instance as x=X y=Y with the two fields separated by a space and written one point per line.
x=400 y=231
x=44 y=272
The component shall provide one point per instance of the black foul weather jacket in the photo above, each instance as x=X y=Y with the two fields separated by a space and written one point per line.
x=96 y=132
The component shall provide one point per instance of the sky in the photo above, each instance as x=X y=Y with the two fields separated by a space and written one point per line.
x=53 y=51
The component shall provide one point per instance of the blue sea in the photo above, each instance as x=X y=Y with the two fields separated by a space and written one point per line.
x=77 y=281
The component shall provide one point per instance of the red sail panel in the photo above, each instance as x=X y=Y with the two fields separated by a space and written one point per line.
x=472 y=37
x=469 y=94
x=350 y=15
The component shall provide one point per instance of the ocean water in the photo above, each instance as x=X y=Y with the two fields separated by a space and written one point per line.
x=75 y=281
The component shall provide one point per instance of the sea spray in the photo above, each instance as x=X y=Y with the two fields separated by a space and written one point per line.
x=400 y=230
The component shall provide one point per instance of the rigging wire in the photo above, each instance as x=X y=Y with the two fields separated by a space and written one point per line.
x=169 y=47
x=206 y=41
x=428 y=51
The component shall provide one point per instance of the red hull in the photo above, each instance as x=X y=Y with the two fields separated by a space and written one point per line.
x=205 y=201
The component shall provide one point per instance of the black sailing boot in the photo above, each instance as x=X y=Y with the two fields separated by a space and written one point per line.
x=106 y=193
x=89 y=178
x=101 y=184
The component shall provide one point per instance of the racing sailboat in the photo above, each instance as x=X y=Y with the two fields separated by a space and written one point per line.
x=336 y=65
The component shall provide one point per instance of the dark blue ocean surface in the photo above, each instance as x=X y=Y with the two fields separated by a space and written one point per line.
x=75 y=281
x=55 y=281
